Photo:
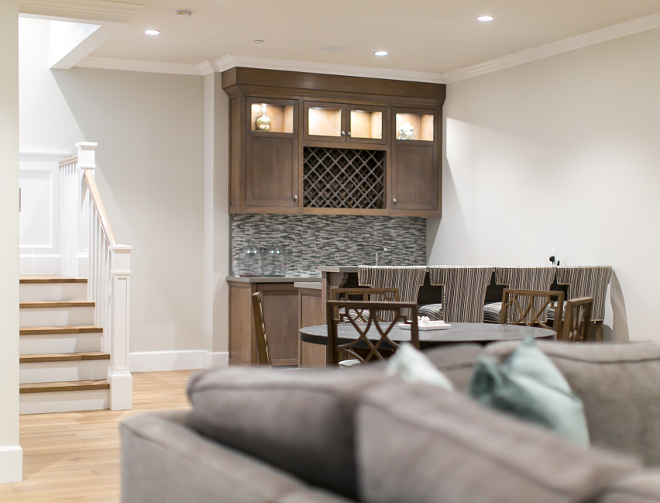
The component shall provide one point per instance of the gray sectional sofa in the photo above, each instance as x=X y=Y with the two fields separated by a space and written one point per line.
x=322 y=436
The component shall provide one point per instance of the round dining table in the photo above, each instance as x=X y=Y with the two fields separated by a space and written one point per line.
x=482 y=333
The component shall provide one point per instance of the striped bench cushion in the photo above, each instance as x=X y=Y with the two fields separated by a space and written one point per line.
x=492 y=312
x=433 y=311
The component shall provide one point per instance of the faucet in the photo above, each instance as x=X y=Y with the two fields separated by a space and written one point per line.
x=380 y=250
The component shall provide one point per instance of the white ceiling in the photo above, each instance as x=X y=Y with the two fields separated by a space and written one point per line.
x=420 y=35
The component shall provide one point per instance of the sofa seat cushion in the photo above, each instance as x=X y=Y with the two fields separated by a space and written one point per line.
x=643 y=487
x=618 y=386
x=300 y=421
x=163 y=460
x=420 y=444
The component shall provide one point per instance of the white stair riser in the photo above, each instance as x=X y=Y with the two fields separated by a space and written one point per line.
x=65 y=343
x=43 y=292
x=63 y=401
x=86 y=370
x=56 y=316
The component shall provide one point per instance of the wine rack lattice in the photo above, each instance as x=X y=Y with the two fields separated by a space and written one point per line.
x=343 y=178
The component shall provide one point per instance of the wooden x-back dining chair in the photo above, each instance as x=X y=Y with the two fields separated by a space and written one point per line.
x=530 y=307
x=577 y=320
x=369 y=340
x=263 y=349
x=366 y=295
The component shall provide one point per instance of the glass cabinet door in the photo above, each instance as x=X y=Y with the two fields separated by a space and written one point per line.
x=271 y=116
x=324 y=121
x=414 y=126
x=366 y=124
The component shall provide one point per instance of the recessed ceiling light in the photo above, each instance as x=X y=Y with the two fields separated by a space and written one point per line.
x=151 y=32
x=380 y=53
x=485 y=18
x=258 y=41
x=183 y=13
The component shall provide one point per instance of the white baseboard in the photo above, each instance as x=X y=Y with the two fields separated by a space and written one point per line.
x=158 y=361
x=11 y=464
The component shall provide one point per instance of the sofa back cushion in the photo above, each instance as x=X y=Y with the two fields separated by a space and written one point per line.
x=300 y=420
x=421 y=444
x=456 y=362
x=618 y=386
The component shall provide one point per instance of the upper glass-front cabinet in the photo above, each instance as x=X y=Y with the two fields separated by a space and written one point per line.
x=324 y=121
x=344 y=123
x=274 y=116
x=367 y=124
x=414 y=126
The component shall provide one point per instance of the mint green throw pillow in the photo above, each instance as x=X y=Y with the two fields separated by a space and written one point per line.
x=529 y=386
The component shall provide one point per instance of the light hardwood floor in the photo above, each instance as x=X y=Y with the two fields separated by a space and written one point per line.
x=74 y=456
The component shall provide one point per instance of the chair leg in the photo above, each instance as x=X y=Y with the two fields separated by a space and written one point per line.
x=599 y=331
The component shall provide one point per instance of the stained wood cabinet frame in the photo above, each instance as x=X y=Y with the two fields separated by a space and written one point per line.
x=266 y=168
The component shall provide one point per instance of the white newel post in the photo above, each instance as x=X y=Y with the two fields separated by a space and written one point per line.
x=119 y=376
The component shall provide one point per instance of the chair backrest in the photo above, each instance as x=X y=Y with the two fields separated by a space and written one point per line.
x=366 y=340
x=529 y=307
x=260 y=329
x=366 y=295
x=577 y=320
x=527 y=278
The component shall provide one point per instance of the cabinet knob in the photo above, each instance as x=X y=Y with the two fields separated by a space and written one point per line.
x=343 y=133
x=394 y=200
x=349 y=133
x=295 y=198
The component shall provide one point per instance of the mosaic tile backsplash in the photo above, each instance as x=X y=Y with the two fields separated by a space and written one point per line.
x=314 y=240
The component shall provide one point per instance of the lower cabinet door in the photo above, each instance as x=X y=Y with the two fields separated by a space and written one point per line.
x=281 y=320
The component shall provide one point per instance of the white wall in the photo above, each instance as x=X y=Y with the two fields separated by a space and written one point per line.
x=150 y=130
x=561 y=153
x=10 y=451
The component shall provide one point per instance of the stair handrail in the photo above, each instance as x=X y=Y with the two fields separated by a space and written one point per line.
x=98 y=202
x=87 y=237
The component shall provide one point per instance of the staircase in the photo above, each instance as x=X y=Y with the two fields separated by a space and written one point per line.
x=62 y=366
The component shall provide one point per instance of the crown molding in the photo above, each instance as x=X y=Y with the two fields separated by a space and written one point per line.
x=93 y=10
x=231 y=61
x=631 y=27
x=206 y=68
x=134 y=65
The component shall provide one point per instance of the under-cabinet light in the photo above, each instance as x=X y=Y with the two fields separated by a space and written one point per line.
x=485 y=18
x=151 y=32
x=380 y=53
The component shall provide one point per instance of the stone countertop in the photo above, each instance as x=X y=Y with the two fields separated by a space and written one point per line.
x=269 y=279
x=316 y=285
x=338 y=268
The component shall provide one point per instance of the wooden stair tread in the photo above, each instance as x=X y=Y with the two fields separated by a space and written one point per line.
x=59 y=303
x=77 y=329
x=27 y=280
x=46 y=387
x=64 y=357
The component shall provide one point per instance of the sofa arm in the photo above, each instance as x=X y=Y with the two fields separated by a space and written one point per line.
x=641 y=487
x=163 y=461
